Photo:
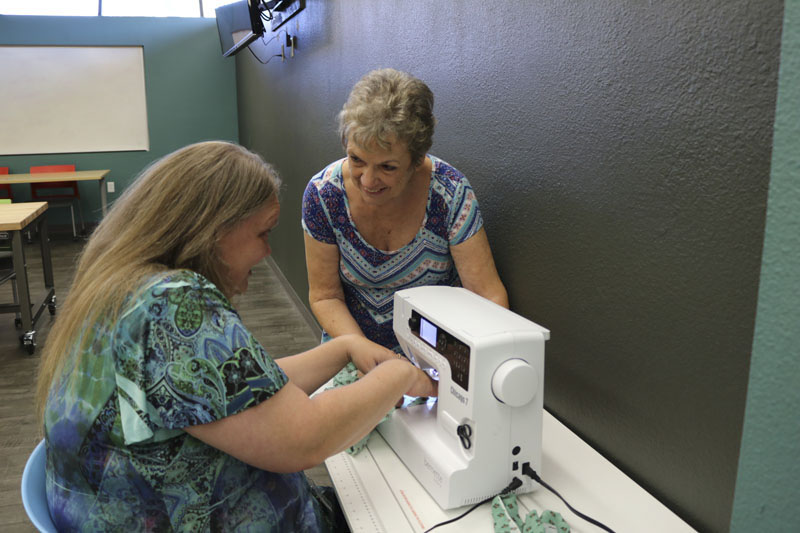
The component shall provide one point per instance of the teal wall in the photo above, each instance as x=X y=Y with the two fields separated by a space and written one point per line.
x=191 y=91
x=768 y=484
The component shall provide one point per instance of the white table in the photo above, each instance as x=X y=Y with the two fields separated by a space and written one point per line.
x=379 y=494
x=14 y=218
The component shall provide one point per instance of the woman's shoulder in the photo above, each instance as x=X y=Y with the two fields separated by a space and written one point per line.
x=173 y=285
x=179 y=278
x=331 y=175
x=446 y=177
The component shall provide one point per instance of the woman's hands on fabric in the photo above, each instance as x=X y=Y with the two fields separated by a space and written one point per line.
x=423 y=385
x=366 y=354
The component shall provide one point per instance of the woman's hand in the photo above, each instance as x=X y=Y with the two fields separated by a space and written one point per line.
x=366 y=354
x=423 y=385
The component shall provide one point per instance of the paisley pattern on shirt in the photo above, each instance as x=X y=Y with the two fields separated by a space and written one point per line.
x=371 y=276
x=117 y=458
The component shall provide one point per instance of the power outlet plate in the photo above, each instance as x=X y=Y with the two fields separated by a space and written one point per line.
x=110 y=186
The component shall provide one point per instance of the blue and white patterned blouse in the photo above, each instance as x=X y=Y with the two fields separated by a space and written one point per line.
x=371 y=276
x=117 y=458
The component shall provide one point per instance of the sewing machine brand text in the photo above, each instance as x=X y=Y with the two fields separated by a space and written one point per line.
x=460 y=397
x=437 y=477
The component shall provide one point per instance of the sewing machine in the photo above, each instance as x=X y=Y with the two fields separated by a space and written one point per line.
x=487 y=422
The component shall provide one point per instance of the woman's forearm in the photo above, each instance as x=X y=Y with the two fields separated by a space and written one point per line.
x=334 y=317
x=311 y=369
x=351 y=412
x=291 y=432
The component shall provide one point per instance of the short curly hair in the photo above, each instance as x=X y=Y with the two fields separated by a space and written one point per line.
x=387 y=103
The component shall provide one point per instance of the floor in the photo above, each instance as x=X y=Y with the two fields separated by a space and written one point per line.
x=267 y=310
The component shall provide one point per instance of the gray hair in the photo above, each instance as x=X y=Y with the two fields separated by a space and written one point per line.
x=388 y=103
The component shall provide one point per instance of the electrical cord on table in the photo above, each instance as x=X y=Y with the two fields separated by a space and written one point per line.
x=514 y=485
x=531 y=473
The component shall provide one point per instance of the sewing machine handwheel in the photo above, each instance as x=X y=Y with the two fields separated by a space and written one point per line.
x=515 y=382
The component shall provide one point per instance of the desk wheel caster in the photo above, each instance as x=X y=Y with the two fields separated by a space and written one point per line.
x=51 y=305
x=28 y=341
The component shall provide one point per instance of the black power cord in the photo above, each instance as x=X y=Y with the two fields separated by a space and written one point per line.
x=514 y=485
x=531 y=473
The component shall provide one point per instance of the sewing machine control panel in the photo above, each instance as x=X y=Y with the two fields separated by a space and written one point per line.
x=454 y=350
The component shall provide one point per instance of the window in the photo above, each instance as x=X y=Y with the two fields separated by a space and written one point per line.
x=210 y=5
x=86 y=8
x=151 y=8
x=113 y=8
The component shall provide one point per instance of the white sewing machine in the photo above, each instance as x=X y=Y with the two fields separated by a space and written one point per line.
x=487 y=422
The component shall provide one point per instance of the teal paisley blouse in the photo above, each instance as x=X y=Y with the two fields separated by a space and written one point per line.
x=117 y=458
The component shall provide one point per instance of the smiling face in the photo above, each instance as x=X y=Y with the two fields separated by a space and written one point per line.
x=377 y=174
x=246 y=244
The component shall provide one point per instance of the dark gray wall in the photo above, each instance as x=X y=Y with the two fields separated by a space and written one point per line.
x=621 y=157
x=191 y=91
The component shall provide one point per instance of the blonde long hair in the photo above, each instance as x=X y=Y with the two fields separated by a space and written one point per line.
x=171 y=217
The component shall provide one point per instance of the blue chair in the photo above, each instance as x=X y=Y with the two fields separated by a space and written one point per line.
x=34 y=497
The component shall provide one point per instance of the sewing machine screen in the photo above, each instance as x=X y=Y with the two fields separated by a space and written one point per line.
x=453 y=349
x=428 y=332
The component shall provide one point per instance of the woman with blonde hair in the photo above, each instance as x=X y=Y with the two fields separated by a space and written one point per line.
x=161 y=411
x=389 y=215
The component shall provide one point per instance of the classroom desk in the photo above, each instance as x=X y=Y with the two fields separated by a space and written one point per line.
x=80 y=175
x=379 y=494
x=14 y=218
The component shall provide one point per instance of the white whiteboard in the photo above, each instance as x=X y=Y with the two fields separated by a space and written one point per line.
x=59 y=99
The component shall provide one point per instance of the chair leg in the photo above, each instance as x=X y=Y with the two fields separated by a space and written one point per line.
x=72 y=214
x=80 y=214
x=17 y=316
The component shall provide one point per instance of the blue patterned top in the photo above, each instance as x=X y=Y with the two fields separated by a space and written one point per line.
x=371 y=276
x=117 y=458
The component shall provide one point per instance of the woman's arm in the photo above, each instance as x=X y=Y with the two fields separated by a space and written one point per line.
x=325 y=293
x=311 y=369
x=291 y=431
x=476 y=268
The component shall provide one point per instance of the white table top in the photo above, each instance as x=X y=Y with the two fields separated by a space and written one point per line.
x=379 y=494
x=14 y=217
x=47 y=177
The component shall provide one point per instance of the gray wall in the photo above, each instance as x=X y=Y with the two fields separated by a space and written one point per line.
x=621 y=157
x=191 y=91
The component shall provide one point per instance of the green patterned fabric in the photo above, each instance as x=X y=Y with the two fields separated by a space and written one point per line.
x=117 y=457
x=505 y=510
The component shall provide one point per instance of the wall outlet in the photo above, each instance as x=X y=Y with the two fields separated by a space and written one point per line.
x=110 y=186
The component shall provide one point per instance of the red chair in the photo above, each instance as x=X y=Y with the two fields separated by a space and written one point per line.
x=5 y=188
x=65 y=193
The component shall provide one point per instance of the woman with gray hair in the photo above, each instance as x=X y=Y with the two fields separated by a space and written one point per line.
x=389 y=215
x=161 y=410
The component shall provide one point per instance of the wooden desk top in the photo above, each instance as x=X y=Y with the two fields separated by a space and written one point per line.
x=14 y=217
x=46 y=177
